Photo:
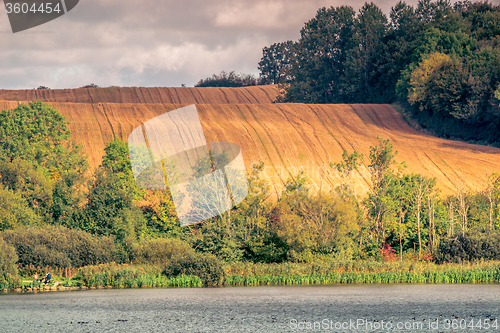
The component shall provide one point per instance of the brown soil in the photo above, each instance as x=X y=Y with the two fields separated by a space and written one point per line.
x=208 y=95
x=287 y=137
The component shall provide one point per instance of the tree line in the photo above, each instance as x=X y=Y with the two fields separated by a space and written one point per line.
x=439 y=60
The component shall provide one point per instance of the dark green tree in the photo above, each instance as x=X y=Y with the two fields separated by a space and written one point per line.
x=110 y=210
x=321 y=56
x=362 y=74
x=275 y=65
x=396 y=49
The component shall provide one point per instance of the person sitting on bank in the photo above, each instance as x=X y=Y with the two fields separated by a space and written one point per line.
x=47 y=278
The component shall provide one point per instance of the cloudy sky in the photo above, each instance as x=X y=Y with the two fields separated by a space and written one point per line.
x=152 y=43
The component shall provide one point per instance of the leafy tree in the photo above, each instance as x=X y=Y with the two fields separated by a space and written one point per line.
x=157 y=205
x=433 y=40
x=117 y=160
x=349 y=164
x=30 y=183
x=8 y=260
x=420 y=187
x=321 y=56
x=396 y=48
x=230 y=79
x=251 y=219
x=380 y=202
x=267 y=248
x=445 y=90
x=413 y=83
x=276 y=63
x=316 y=224
x=313 y=223
x=15 y=212
x=362 y=73
x=38 y=135
x=401 y=189
x=484 y=18
x=110 y=209
x=419 y=92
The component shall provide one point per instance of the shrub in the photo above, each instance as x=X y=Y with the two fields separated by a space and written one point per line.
x=159 y=251
x=388 y=253
x=206 y=266
x=230 y=79
x=14 y=210
x=267 y=248
x=8 y=259
x=59 y=247
x=471 y=247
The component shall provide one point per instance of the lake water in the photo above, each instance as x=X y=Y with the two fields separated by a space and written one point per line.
x=335 y=308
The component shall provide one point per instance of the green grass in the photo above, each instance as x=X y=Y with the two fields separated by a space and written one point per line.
x=246 y=274
x=250 y=274
x=125 y=276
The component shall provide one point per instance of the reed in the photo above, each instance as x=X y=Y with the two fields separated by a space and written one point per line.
x=126 y=276
x=249 y=274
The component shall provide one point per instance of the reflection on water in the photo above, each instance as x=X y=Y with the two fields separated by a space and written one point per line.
x=339 y=308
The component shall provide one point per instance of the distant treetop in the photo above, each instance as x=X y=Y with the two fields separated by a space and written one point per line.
x=230 y=79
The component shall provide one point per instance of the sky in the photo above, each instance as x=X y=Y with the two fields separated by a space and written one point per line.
x=152 y=43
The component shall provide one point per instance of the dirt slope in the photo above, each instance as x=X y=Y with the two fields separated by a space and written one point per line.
x=254 y=94
x=293 y=137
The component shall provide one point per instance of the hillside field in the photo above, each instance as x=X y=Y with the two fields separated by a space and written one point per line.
x=287 y=137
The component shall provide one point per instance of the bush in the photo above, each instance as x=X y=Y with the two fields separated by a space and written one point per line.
x=206 y=266
x=159 y=251
x=14 y=210
x=267 y=248
x=59 y=247
x=471 y=247
x=8 y=259
x=230 y=79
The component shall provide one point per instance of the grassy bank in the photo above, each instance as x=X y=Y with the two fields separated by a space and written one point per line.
x=250 y=274
x=126 y=276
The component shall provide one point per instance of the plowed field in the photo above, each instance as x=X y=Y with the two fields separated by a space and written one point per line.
x=208 y=95
x=292 y=137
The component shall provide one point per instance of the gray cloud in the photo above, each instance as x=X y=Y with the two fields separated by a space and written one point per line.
x=151 y=43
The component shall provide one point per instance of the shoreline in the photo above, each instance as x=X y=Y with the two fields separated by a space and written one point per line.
x=124 y=276
x=85 y=288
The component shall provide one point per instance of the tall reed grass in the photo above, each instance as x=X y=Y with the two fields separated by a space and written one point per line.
x=125 y=276
x=248 y=274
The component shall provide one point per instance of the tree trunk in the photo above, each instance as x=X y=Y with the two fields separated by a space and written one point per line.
x=463 y=208
x=432 y=225
x=419 y=204
x=422 y=185
x=452 y=219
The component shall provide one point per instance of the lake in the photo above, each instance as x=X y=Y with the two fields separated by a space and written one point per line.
x=333 y=308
